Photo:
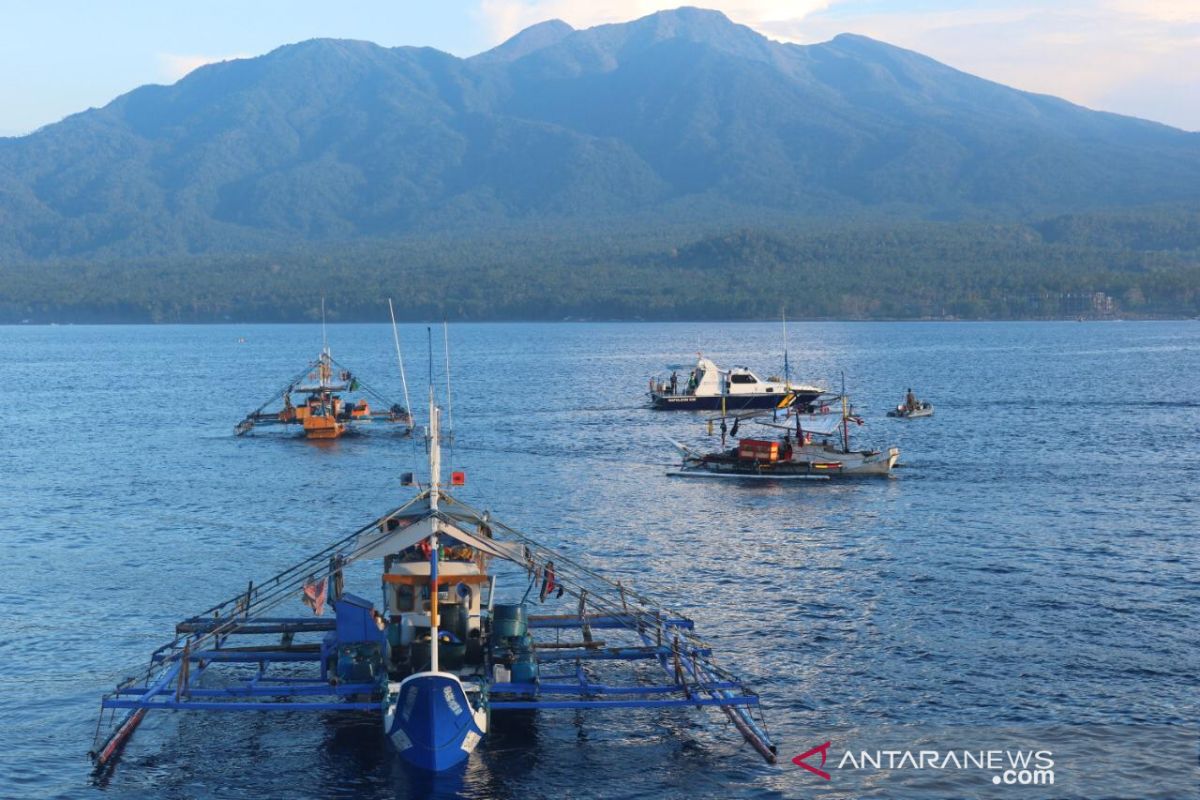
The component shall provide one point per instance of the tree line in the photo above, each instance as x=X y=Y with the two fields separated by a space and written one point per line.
x=1077 y=266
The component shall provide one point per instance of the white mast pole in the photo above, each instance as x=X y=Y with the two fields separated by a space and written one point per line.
x=324 y=337
x=435 y=481
x=325 y=372
x=400 y=359
x=449 y=395
x=435 y=452
x=845 y=418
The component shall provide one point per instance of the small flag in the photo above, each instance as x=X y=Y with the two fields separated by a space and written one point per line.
x=548 y=582
x=458 y=479
x=314 y=596
x=407 y=479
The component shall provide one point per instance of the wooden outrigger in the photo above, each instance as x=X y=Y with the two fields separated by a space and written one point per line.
x=441 y=654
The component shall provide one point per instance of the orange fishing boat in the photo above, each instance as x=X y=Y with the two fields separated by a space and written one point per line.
x=323 y=412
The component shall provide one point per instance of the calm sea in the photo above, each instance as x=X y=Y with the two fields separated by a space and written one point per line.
x=1029 y=575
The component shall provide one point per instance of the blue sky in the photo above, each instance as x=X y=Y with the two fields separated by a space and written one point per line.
x=1139 y=57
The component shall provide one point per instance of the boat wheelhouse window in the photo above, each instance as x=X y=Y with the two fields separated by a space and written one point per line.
x=742 y=378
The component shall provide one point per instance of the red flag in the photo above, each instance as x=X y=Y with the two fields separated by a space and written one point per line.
x=314 y=596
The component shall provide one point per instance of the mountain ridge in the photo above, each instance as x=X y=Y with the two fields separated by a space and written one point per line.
x=680 y=116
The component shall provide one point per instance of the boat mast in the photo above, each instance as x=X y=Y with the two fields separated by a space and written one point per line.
x=435 y=452
x=787 y=372
x=324 y=337
x=400 y=360
x=435 y=484
x=845 y=418
x=325 y=370
x=449 y=395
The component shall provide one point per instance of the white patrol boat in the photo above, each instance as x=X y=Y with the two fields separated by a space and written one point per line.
x=708 y=387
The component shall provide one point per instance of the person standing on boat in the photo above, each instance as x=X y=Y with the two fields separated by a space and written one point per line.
x=674 y=382
x=910 y=400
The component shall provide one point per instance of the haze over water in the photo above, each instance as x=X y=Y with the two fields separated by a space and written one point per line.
x=1032 y=564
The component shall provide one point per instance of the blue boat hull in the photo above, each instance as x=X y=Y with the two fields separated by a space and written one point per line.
x=733 y=403
x=432 y=722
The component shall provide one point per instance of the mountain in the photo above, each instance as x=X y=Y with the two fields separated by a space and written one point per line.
x=682 y=120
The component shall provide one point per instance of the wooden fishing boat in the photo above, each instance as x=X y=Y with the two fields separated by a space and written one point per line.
x=322 y=410
x=445 y=650
x=808 y=449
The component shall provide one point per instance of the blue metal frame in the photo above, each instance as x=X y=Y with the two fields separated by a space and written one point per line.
x=203 y=642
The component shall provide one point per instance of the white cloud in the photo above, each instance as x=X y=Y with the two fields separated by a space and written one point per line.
x=1091 y=53
x=174 y=66
x=1161 y=10
x=506 y=17
x=1139 y=57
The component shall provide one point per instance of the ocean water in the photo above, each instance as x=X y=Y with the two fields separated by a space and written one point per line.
x=1030 y=576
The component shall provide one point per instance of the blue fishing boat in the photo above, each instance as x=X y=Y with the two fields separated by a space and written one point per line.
x=440 y=654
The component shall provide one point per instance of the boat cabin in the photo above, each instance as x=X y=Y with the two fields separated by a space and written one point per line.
x=709 y=380
x=409 y=606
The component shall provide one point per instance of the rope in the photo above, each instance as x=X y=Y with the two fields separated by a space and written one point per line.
x=281 y=392
x=364 y=386
x=282 y=587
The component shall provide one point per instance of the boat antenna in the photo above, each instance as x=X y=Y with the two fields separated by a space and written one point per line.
x=787 y=372
x=845 y=417
x=400 y=361
x=435 y=487
x=324 y=337
x=449 y=396
x=435 y=450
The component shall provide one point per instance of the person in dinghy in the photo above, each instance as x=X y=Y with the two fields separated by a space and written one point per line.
x=912 y=407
